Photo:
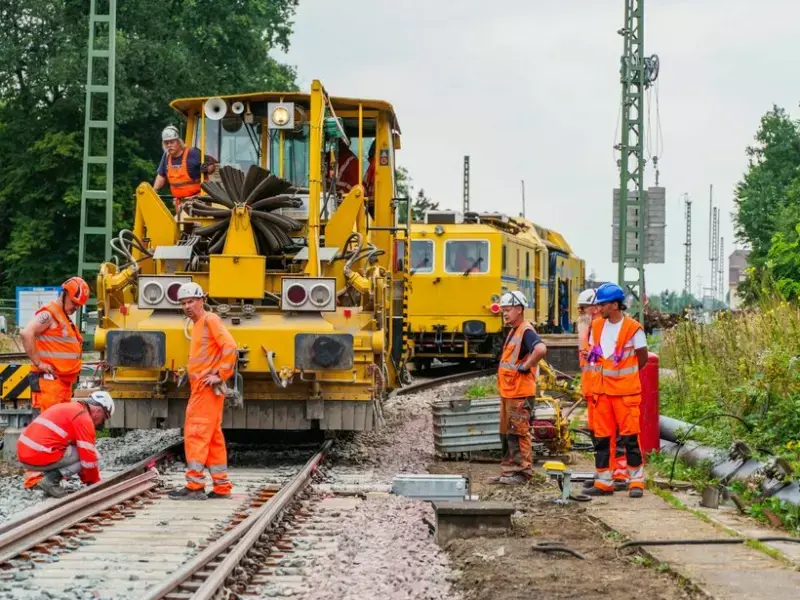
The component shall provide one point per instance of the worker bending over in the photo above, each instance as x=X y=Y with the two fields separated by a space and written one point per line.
x=212 y=357
x=588 y=313
x=60 y=443
x=618 y=350
x=516 y=381
x=55 y=346
x=181 y=166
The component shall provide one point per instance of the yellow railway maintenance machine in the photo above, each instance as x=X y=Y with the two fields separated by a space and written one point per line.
x=297 y=265
x=460 y=266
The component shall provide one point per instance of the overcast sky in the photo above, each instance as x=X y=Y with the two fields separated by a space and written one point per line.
x=530 y=90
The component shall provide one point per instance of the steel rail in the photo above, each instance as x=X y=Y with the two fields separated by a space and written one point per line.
x=136 y=469
x=34 y=532
x=430 y=383
x=4 y=356
x=234 y=545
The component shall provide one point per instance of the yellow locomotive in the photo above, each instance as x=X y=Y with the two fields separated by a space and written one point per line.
x=298 y=269
x=460 y=266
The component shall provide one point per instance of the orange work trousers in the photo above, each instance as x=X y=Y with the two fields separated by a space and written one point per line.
x=51 y=392
x=204 y=444
x=612 y=415
x=515 y=434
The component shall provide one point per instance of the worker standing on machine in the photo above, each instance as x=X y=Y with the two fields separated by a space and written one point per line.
x=588 y=313
x=55 y=346
x=618 y=351
x=212 y=357
x=516 y=381
x=181 y=166
x=60 y=443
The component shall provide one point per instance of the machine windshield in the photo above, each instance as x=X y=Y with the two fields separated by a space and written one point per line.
x=421 y=256
x=466 y=256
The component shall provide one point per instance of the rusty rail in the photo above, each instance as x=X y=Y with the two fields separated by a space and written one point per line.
x=430 y=383
x=231 y=548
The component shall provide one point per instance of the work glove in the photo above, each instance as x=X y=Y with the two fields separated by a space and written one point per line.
x=204 y=168
x=523 y=369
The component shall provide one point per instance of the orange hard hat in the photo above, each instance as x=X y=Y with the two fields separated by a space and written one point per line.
x=76 y=290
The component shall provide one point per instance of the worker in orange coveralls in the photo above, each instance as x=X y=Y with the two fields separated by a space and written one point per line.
x=516 y=381
x=60 y=443
x=589 y=312
x=212 y=357
x=55 y=346
x=618 y=351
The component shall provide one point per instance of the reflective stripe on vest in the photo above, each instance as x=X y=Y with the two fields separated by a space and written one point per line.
x=510 y=382
x=205 y=356
x=619 y=373
x=61 y=345
x=181 y=184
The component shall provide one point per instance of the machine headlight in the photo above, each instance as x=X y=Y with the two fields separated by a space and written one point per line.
x=248 y=309
x=495 y=298
x=280 y=116
x=152 y=292
x=320 y=295
x=223 y=309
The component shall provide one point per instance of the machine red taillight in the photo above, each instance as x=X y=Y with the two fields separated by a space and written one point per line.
x=495 y=308
x=296 y=294
x=347 y=312
x=172 y=291
x=123 y=310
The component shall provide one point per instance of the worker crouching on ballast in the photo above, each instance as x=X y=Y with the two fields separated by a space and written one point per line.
x=618 y=351
x=516 y=381
x=60 y=443
x=212 y=357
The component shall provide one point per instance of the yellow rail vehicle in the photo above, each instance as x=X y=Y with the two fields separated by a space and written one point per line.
x=297 y=266
x=459 y=268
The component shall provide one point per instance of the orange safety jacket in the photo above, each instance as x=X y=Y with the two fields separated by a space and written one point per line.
x=61 y=345
x=510 y=382
x=44 y=441
x=181 y=184
x=211 y=351
x=590 y=378
x=617 y=375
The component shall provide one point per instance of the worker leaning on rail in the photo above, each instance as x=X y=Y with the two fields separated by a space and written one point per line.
x=55 y=346
x=618 y=350
x=516 y=381
x=60 y=443
x=181 y=167
x=212 y=357
x=590 y=312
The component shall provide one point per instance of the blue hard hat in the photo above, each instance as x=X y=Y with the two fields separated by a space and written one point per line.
x=609 y=292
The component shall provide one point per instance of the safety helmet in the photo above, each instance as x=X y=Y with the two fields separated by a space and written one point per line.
x=609 y=292
x=104 y=401
x=170 y=132
x=190 y=290
x=586 y=297
x=515 y=298
x=76 y=290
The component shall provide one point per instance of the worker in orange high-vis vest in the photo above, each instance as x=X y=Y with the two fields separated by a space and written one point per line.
x=181 y=166
x=212 y=358
x=516 y=382
x=60 y=443
x=588 y=313
x=55 y=346
x=618 y=352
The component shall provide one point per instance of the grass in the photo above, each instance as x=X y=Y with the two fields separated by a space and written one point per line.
x=483 y=388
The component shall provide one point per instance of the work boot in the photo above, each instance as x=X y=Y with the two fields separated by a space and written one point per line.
x=51 y=485
x=215 y=495
x=620 y=485
x=515 y=479
x=636 y=492
x=186 y=494
x=495 y=479
x=589 y=483
x=596 y=491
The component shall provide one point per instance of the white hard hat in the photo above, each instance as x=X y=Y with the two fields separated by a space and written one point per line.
x=586 y=297
x=190 y=290
x=170 y=133
x=515 y=298
x=104 y=401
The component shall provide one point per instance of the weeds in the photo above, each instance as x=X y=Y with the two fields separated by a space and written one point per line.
x=483 y=388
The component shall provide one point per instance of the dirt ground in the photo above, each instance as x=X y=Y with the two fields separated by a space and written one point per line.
x=506 y=568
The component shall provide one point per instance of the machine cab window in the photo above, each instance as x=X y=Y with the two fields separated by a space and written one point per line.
x=466 y=256
x=421 y=256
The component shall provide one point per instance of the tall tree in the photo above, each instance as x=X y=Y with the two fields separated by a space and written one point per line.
x=164 y=50
x=421 y=205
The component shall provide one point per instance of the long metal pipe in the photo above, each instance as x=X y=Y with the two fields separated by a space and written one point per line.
x=723 y=467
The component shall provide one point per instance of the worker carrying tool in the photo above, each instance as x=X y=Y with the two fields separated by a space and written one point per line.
x=55 y=346
x=588 y=313
x=516 y=381
x=181 y=166
x=60 y=443
x=212 y=358
x=618 y=350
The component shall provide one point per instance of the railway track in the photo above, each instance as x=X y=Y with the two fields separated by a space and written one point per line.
x=12 y=356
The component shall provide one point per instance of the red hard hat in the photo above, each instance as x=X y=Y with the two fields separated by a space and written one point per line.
x=76 y=290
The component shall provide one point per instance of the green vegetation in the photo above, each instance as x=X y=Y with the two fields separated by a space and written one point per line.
x=483 y=388
x=165 y=50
